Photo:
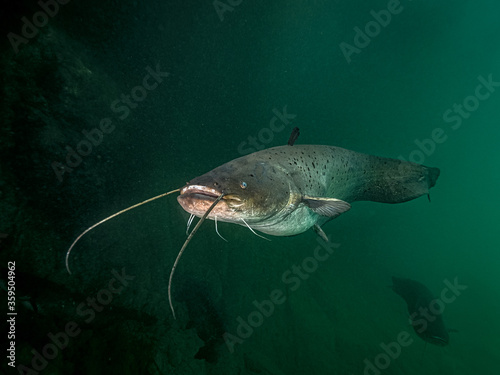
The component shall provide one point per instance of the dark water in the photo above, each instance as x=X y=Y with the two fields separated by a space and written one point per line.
x=424 y=86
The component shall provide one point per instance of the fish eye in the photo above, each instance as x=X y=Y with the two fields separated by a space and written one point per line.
x=243 y=185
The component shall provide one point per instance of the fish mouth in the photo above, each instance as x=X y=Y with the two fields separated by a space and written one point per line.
x=437 y=340
x=200 y=192
x=206 y=193
x=197 y=199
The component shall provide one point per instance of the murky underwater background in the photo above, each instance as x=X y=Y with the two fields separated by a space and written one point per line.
x=425 y=86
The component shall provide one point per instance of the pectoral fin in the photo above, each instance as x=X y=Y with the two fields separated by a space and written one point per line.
x=328 y=207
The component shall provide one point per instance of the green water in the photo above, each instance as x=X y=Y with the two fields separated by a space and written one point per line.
x=202 y=81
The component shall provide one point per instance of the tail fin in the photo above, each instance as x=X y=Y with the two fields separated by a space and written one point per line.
x=433 y=174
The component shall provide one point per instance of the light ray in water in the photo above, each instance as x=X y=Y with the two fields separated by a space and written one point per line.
x=190 y=221
x=217 y=230
x=108 y=218
x=258 y=235
x=198 y=224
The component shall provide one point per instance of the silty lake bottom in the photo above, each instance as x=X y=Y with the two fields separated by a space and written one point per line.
x=105 y=105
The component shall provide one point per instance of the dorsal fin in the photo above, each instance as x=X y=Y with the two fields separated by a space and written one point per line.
x=293 y=137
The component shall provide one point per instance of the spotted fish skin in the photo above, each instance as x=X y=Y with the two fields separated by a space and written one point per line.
x=286 y=190
x=348 y=175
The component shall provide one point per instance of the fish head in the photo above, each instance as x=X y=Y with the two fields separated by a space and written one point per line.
x=253 y=191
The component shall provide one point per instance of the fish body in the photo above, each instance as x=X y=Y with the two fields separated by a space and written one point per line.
x=420 y=301
x=286 y=190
